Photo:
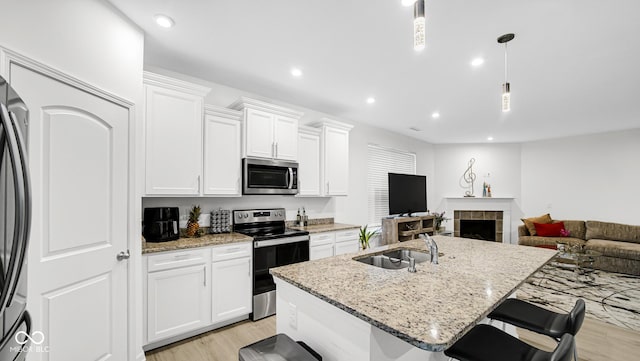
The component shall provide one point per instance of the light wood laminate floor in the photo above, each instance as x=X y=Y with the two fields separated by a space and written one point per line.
x=218 y=345
x=597 y=341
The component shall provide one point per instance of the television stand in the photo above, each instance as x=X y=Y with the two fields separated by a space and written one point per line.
x=401 y=229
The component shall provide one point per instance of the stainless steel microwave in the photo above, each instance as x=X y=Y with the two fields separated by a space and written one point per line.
x=268 y=176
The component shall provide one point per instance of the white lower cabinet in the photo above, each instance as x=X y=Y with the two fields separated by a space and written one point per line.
x=321 y=245
x=231 y=281
x=178 y=294
x=192 y=291
x=328 y=244
x=347 y=241
x=322 y=251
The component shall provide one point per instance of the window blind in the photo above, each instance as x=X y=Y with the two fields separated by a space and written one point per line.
x=382 y=161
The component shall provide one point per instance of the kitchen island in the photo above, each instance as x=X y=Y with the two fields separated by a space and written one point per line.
x=348 y=310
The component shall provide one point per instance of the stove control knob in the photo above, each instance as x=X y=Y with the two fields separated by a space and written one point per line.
x=246 y=215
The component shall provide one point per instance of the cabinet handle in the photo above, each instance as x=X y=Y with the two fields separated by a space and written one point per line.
x=204 y=270
x=276 y=149
x=327 y=187
x=231 y=250
x=273 y=150
x=249 y=268
x=198 y=184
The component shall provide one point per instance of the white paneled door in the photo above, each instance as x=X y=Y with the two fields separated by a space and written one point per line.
x=79 y=161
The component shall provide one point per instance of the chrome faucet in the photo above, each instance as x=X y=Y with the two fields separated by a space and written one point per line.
x=432 y=246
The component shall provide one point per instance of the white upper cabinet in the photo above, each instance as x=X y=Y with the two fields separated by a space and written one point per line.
x=269 y=131
x=173 y=135
x=285 y=133
x=309 y=161
x=335 y=157
x=222 y=170
x=258 y=134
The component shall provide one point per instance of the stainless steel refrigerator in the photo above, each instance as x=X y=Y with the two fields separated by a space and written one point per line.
x=15 y=220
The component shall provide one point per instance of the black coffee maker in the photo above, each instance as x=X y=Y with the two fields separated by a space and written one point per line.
x=161 y=224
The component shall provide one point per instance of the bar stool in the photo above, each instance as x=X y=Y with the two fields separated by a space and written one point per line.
x=537 y=319
x=487 y=343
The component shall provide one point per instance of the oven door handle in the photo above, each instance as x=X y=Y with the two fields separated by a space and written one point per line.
x=290 y=178
x=279 y=241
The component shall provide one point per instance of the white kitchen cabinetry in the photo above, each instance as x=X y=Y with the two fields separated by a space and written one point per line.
x=309 y=161
x=231 y=279
x=334 y=157
x=178 y=293
x=347 y=241
x=222 y=170
x=269 y=131
x=321 y=245
x=193 y=291
x=173 y=135
x=328 y=244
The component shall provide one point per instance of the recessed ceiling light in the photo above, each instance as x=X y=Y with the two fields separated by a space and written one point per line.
x=435 y=115
x=296 y=72
x=408 y=2
x=371 y=100
x=489 y=138
x=477 y=62
x=164 y=21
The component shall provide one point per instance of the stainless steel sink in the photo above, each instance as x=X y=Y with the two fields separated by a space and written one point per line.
x=404 y=254
x=396 y=259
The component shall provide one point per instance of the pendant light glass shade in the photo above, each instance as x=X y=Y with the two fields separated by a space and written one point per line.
x=418 y=25
x=506 y=87
x=506 y=97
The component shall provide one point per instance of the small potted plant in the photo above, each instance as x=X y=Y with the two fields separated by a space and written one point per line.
x=365 y=237
x=438 y=219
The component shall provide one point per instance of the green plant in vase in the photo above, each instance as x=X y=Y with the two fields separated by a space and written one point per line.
x=365 y=237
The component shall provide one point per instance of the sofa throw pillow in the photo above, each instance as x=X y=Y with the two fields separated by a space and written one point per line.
x=528 y=222
x=549 y=229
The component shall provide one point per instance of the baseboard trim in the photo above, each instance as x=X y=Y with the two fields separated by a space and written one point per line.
x=193 y=333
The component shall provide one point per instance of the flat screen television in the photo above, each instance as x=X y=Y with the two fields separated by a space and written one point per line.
x=407 y=193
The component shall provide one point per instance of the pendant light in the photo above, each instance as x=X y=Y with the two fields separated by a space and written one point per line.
x=418 y=25
x=506 y=87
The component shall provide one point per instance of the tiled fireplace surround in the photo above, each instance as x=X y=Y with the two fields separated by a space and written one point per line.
x=478 y=215
x=498 y=208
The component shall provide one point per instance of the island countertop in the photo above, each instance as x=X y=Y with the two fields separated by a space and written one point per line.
x=432 y=308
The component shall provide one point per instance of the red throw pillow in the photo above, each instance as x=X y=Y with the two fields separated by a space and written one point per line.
x=549 y=229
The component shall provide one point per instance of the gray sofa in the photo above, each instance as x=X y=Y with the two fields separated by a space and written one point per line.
x=618 y=243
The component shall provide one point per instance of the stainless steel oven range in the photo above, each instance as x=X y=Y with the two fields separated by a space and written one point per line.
x=273 y=245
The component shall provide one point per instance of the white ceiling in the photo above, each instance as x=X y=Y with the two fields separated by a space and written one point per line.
x=573 y=66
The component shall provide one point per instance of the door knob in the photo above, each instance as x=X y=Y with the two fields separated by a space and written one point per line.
x=123 y=255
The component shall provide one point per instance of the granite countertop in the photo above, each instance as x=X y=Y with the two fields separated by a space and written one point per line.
x=327 y=227
x=432 y=308
x=203 y=241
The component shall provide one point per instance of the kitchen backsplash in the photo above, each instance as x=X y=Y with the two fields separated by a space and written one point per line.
x=316 y=208
x=312 y=222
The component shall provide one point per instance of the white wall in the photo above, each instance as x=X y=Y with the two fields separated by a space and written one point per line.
x=86 y=39
x=593 y=177
x=496 y=164
x=354 y=207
